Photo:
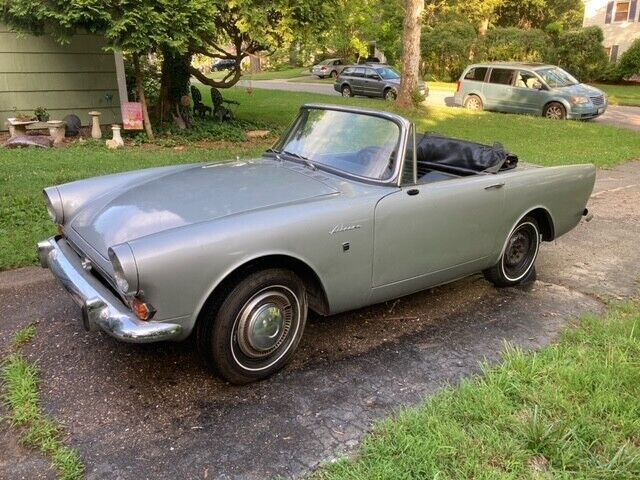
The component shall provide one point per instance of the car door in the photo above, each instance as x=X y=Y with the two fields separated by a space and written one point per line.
x=528 y=95
x=357 y=81
x=436 y=232
x=498 y=89
x=372 y=85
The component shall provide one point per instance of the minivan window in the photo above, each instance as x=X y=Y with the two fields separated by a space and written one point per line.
x=502 y=76
x=527 y=80
x=557 y=77
x=477 y=74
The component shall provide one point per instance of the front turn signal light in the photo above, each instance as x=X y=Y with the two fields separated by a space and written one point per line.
x=141 y=309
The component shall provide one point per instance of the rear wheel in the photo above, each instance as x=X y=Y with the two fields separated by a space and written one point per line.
x=255 y=329
x=333 y=74
x=555 y=111
x=516 y=265
x=346 y=91
x=473 y=102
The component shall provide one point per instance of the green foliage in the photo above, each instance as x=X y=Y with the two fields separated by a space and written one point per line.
x=581 y=53
x=24 y=336
x=568 y=411
x=445 y=49
x=567 y=14
x=629 y=65
x=514 y=44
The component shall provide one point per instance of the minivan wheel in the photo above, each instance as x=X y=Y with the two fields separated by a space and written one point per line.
x=390 y=94
x=473 y=102
x=555 y=111
x=346 y=91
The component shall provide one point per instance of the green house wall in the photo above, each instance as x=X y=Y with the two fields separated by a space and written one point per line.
x=74 y=78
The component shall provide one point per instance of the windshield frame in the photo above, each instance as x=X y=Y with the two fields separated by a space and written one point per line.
x=402 y=124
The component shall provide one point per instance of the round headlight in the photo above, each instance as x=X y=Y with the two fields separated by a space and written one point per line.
x=53 y=202
x=125 y=271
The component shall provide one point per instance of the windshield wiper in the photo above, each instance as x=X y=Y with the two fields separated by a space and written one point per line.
x=307 y=162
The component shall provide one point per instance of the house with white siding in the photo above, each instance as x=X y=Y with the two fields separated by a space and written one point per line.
x=619 y=21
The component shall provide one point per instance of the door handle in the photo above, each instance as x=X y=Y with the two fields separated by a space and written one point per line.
x=495 y=186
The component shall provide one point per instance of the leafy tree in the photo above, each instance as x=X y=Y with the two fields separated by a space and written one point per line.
x=480 y=13
x=629 y=64
x=540 y=13
x=581 y=53
x=445 y=48
x=513 y=43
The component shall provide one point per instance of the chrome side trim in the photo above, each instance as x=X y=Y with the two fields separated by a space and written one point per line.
x=100 y=307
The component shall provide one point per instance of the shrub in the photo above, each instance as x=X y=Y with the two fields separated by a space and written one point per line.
x=581 y=53
x=629 y=65
x=445 y=49
x=514 y=44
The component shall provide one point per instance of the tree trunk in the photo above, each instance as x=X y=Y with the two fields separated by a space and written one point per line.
x=141 y=96
x=410 y=52
x=174 y=83
x=484 y=26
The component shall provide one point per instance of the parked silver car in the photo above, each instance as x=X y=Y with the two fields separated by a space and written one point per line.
x=350 y=208
x=532 y=88
x=372 y=80
x=328 y=68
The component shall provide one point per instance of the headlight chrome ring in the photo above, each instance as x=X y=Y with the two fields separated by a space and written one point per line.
x=53 y=201
x=124 y=268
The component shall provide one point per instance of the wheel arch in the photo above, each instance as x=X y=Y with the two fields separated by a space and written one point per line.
x=543 y=218
x=561 y=101
x=316 y=292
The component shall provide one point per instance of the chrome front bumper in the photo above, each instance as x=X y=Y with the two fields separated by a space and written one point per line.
x=100 y=307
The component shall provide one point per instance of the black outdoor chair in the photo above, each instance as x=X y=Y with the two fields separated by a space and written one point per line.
x=221 y=112
x=199 y=108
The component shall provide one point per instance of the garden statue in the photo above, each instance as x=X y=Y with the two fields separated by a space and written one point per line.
x=96 y=132
x=199 y=108
x=221 y=112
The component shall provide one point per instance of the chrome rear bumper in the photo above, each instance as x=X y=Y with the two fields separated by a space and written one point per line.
x=100 y=307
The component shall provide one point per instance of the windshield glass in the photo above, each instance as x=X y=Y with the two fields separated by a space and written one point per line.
x=388 y=73
x=355 y=143
x=556 y=77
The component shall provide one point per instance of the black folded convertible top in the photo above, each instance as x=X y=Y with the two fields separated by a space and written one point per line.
x=462 y=154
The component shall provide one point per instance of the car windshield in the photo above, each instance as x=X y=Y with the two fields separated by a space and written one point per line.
x=326 y=62
x=355 y=143
x=388 y=73
x=557 y=77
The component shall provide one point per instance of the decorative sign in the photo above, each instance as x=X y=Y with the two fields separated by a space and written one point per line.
x=132 y=116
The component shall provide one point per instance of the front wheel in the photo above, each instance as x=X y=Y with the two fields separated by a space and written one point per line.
x=516 y=265
x=254 y=331
x=390 y=95
x=346 y=91
x=555 y=111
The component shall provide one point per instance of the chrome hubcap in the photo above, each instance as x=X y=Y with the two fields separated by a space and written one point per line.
x=346 y=92
x=473 y=104
x=264 y=323
x=520 y=252
x=554 y=113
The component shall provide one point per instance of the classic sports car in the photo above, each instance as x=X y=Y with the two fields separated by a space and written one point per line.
x=349 y=208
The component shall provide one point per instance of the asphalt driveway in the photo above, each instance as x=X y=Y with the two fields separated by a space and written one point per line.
x=623 y=117
x=153 y=411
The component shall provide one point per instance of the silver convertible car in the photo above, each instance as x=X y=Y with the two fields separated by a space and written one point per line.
x=350 y=207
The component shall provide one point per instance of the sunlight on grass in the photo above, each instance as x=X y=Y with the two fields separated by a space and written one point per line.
x=621 y=94
x=571 y=410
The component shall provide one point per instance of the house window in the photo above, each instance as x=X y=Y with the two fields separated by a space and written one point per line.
x=622 y=12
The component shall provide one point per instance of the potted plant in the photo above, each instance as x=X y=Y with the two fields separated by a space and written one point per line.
x=41 y=114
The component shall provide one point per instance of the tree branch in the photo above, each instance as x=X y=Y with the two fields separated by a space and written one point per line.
x=224 y=83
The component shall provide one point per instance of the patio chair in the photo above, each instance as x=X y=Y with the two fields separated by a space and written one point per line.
x=221 y=112
x=199 y=108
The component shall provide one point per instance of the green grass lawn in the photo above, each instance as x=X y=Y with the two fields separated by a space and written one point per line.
x=570 y=411
x=23 y=173
x=621 y=94
x=313 y=79
x=277 y=75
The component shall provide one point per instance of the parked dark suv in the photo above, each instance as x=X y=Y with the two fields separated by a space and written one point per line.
x=371 y=80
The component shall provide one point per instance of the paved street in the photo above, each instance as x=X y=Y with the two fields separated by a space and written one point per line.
x=154 y=411
x=625 y=117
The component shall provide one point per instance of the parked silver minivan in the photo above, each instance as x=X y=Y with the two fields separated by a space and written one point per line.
x=532 y=88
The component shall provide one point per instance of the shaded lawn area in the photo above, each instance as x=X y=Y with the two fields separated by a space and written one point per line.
x=23 y=173
x=277 y=75
x=569 y=411
x=621 y=94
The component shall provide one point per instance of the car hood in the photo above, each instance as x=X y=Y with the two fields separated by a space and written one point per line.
x=189 y=196
x=580 y=89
